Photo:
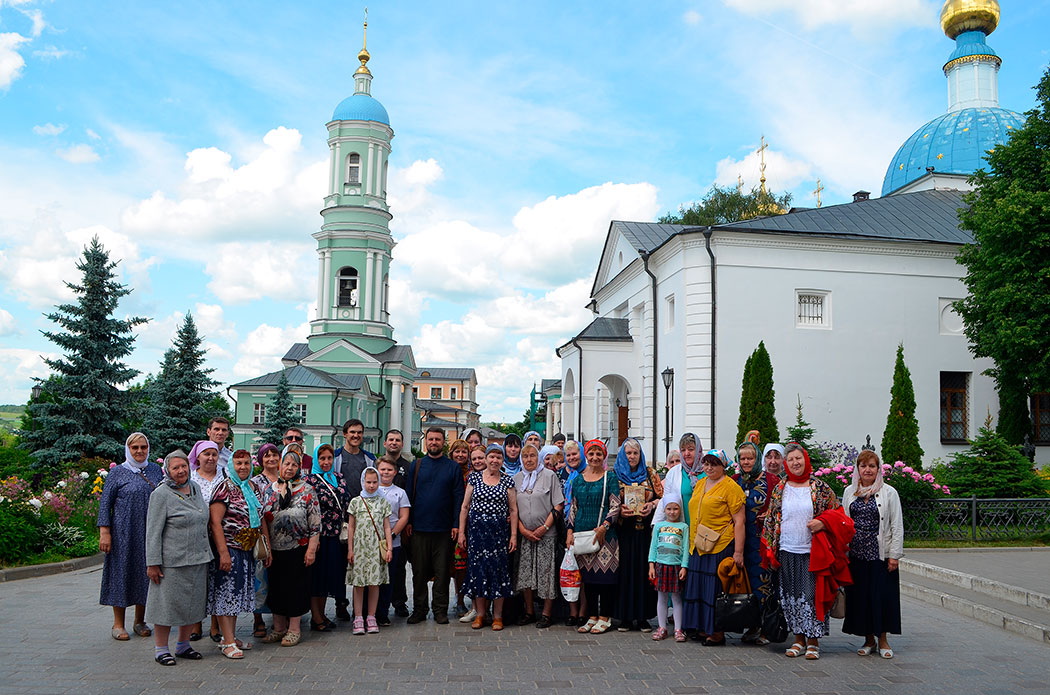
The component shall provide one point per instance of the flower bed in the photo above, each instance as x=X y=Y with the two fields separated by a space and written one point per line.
x=909 y=483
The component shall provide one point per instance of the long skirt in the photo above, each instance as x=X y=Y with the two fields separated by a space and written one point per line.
x=289 y=590
x=262 y=587
x=536 y=569
x=180 y=598
x=798 y=596
x=488 y=559
x=701 y=587
x=636 y=598
x=328 y=577
x=233 y=592
x=873 y=602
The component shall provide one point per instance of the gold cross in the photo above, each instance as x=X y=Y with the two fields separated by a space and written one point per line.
x=762 y=166
x=818 y=191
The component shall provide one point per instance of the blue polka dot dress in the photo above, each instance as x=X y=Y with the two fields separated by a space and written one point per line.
x=488 y=538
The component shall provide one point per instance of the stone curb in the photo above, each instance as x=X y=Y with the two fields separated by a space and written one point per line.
x=996 y=549
x=15 y=573
x=981 y=585
x=991 y=616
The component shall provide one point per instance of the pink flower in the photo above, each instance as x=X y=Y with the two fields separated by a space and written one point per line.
x=838 y=468
x=936 y=486
x=849 y=469
x=899 y=464
x=112 y=464
x=909 y=469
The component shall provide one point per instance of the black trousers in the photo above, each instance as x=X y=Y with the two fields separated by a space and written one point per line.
x=601 y=598
x=431 y=555
x=398 y=585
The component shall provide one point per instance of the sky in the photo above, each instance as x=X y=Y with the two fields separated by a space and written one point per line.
x=190 y=138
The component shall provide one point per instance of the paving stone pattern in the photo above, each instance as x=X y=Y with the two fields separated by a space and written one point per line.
x=54 y=638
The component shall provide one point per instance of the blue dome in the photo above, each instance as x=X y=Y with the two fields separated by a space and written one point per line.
x=954 y=143
x=360 y=107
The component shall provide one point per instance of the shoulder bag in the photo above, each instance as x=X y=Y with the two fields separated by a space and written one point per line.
x=382 y=540
x=706 y=537
x=586 y=542
x=774 y=626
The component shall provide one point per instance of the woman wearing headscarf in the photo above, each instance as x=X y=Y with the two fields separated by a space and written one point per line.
x=177 y=558
x=122 y=534
x=329 y=572
x=511 y=454
x=204 y=467
x=685 y=475
x=787 y=536
x=596 y=507
x=532 y=437
x=574 y=465
x=717 y=504
x=873 y=601
x=540 y=501
x=295 y=530
x=268 y=458
x=472 y=436
x=773 y=459
x=459 y=452
x=637 y=596
x=237 y=522
x=756 y=484
x=488 y=522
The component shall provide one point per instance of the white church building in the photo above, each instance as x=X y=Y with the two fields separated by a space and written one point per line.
x=831 y=291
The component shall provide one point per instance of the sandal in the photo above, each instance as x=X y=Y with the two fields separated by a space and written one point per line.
x=291 y=639
x=190 y=653
x=659 y=634
x=274 y=636
x=243 y=646
x=143 y=630
x=600 y=627
x=119 y=634
x=231 y=651
x=795 y=649
x=359 y=626
x=586 y=627
x=497 y=624
x=761 y=641
x=886 y=653
x=544 y=622
x=812 y=652
x=165 y=659
x=320 y=627
x=194 y=636
x=866 y=649
x=679 y=636
x=259 y=631
x=215 y=637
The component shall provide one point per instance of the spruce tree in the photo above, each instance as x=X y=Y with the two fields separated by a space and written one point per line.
x=763 y=396
x=180 y=394
x=802 y=433
x=743 y=423
x=900 y=441
x=81 y=417
x=279 y=415
x=991 y=467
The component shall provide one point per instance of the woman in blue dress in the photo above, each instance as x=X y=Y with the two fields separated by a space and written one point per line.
x=756 y=484
x=122 y=534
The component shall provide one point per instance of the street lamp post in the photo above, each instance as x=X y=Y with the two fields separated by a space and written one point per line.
x=668 y=377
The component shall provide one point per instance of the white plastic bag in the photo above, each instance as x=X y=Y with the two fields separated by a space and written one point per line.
x=569 y=578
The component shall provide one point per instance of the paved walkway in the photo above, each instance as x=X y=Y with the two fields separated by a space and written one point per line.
x=54 y=638
x=1028 y=569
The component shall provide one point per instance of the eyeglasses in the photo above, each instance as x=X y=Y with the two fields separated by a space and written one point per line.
x=292 y=438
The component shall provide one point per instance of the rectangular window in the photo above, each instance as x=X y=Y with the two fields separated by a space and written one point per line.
x=669 y=323
x=415 y=392
x=1041 y=418
x=812 y=309
x=954 y=406
x=452 y=392
x=300 y=413
x=435 y=393
x=259 y=414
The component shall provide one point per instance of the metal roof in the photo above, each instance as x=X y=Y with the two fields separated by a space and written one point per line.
x=929 y=216
x=647 y=236
x=436 y=405
x=306 y=377
x=439 y=422
x=297 y=352
x=604 y=328
x=548 y=384
x=458 y=373
x=396 y=353
x=361 y=107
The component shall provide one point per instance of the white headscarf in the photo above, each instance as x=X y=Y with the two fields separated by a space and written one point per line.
x=528 y=478
x=861 y=491
x=129 y=461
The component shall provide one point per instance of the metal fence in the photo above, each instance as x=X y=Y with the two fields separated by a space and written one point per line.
x=976 y=519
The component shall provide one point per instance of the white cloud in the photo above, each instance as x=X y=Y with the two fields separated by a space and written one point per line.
x=7 y=323
x=49 y=129
x=783 y=172
x=78 y=154
x=261 y=350
x=11 y=61
x=858 y=14
x=18 y=366
x=92 y=134
x=692 y=17
x=52 y=53
x=244 y=271
x=37 y=17
x=211 y=321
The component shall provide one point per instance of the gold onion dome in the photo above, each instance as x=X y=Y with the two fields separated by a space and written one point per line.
x=363 y=57
x=958 y=16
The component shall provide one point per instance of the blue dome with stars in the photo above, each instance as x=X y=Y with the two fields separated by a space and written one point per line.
x=954 y=143
x=361 y=107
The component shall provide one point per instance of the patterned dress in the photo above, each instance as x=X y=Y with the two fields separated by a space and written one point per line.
x=290 y=532
x=756 y=505
x=587 y=512
x=488 y=538
x=369 y=568
x=233 y=592
x=329 y=571
x=122 y=507
x=262 y=574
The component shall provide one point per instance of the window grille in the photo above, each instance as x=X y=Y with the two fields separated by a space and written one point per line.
x=300 y=413
x=954 y=405
x=1041 y=418
x=259 y=414
x=353 y=170
x=435 y=393
x=811 y=310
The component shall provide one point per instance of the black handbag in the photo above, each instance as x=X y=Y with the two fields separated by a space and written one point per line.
x=774 y=626
x=737 y=612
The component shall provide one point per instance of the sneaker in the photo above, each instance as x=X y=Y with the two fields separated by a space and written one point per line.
x=359 y=626
x=469 y=616
x=373 y=626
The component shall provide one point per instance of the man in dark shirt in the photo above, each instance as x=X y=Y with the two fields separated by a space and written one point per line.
x=294 y=435
x=394 y=444
x=351 y=460
x=435 y=489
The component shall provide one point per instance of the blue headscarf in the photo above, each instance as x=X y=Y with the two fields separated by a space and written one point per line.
x=624 y=473
x=250 y=498
x=529 y=434
x=329 y=475
x=573 y=472
x=510 y=466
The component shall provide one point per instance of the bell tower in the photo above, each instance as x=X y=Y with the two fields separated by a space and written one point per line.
x=354 y=243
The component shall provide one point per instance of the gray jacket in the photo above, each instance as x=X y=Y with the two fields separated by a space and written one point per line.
x=177 y=528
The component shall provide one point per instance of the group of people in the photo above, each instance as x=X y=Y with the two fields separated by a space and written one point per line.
x=202 y=536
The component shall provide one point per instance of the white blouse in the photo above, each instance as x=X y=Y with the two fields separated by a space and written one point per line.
x=797 y=511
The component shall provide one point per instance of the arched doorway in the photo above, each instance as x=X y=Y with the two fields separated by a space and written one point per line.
x=613 y=393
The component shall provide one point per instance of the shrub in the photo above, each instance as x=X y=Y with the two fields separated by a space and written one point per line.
x=15 y=461
x=20 y=532
x=61 y=537
x=991 y=467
